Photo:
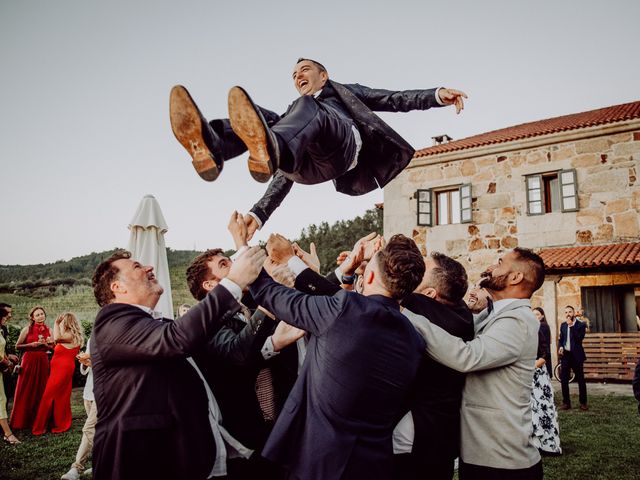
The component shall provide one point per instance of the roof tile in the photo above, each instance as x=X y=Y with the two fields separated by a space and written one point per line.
x=620 y=254
x=601 y=116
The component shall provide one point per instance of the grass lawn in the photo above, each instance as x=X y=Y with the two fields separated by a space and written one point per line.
x=603 y=443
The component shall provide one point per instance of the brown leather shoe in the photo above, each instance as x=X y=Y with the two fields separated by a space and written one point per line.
x=249 y=124
x=565 y=406
x=194 y=133
x=584 y=407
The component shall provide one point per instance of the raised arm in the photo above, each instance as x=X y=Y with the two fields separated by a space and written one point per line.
x=277 y=190
x=406 y=100
x=314 y=314
x=501 y=345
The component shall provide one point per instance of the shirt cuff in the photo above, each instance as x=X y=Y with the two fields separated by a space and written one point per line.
x=240 y=251
x=296 y=265
x=438 y=96
x=234 y=289
x=268 y=349
x=258 y=221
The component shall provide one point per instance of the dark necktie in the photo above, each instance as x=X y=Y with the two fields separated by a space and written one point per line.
x=489 y=306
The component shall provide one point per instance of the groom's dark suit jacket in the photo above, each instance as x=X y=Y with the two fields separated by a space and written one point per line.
x=384 y=152
x=352 y=390
x=154 y=417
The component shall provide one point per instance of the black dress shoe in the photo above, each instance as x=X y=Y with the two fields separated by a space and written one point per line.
x=249 y=124
x=194 y=133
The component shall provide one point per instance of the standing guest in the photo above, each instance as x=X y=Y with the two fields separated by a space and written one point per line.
x=7 y=363
x=546 y=434
x=427 y=439
x=572 y=357
x=479 y=299
x=34 y=341
x=544 y=339
x=8 y=380
x=361 y=359
x=495 y=426
x=55 y=405
x=89 y=428
x=158 y=418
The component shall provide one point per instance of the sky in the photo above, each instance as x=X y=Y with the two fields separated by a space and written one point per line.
x=84 y=124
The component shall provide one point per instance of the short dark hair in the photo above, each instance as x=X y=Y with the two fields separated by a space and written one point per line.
x=198 y=272
x=448 y=278
x=401 y=266
x=534 y=276
x=3 y=313
x=571 y=307
x=104 y=274
x=317 y=64
x=5 y=305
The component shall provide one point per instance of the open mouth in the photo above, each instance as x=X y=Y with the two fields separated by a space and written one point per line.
x=302 y=84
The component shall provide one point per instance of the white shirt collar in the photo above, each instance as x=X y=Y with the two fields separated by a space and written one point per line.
x=154 y=313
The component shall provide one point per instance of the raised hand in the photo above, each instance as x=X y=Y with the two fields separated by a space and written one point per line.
x=252 y=225
x=449 y=96
x=247 y=266
x=309 y=258
x=238 y=229
x=280 y=273
x=279 y=248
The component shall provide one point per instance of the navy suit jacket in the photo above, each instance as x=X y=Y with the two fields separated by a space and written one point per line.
x=575 y=339
x=353 y=387
x=154 y=414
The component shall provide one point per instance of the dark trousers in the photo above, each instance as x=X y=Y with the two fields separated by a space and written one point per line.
x=467 y=471
x=255 y=467
x=316 y=141
x=407 y=467
x=568 y=362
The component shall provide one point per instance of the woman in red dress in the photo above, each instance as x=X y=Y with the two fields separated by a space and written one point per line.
x=55 y=406
x=34 y=342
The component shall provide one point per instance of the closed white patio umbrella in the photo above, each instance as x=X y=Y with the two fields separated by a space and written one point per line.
x=146 y=244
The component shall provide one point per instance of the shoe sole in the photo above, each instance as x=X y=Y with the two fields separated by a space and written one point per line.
x=249 y=127
x=186 y=124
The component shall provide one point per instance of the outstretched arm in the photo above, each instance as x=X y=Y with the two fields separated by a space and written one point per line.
x=314 y=314
x=499 y=346
x=406 y=100
x=272 y=198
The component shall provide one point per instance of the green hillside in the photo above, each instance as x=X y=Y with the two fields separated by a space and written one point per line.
x=66 y=285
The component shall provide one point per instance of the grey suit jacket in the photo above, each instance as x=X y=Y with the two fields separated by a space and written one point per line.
x=495 y=425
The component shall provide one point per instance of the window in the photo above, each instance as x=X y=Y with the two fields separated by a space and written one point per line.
x=444 y=206
x=612 y=309
x=552 y=192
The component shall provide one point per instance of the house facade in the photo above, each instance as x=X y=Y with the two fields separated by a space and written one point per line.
x=566 y=187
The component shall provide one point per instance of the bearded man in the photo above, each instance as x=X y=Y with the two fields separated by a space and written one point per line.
x=495 y=423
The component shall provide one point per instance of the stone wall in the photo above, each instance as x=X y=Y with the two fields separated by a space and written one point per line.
x=607 y=166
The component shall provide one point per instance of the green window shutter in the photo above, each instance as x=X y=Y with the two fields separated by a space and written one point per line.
x=535 y=195
x=423 y=197
x=465 y=203
x=568 y=190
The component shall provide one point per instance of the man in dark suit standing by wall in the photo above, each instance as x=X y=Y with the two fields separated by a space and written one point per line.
x=361 y=360
x=329 y=133
x=157 y=417
x=570 y=349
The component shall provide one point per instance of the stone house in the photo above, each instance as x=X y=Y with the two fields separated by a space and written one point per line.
x=568 y=188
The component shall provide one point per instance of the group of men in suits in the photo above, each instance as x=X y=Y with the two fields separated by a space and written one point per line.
x=224 y=390
x=185 y=393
